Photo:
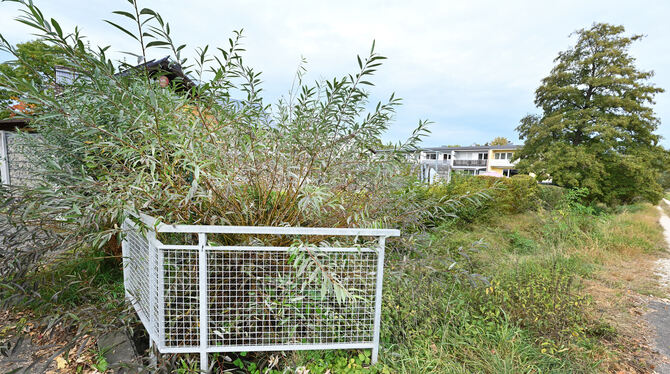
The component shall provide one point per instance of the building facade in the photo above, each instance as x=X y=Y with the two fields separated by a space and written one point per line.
x=442 y=162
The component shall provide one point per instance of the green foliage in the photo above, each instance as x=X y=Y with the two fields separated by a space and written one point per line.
x=574 y=200
x=521 y=244
x=338 y=362
x=113 y=143
x=34 y=62
x=100 y=363
x=503 y=195
x=550 y=196
x=597 y=125
x=541 y=298
x=479 y=328
x=88 y=277
x=499 y=140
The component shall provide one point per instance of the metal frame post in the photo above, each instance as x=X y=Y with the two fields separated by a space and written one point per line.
x=152 y=300
x=202 y=280
x=378 y=300
x=161 y=298
x=125 y=260
x=4 y=159
x=152 y=287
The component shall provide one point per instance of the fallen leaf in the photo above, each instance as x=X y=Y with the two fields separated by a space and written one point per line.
x=61 y=363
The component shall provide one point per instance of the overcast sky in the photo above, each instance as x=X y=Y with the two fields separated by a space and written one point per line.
x=471 y=67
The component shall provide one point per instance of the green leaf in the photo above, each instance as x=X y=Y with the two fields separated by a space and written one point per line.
x=59 y=31
x=156 y=43
x=122 y=29
x=148 y=12
x=126 y=14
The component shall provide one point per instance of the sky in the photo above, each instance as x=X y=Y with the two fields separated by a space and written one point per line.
x=470 y=67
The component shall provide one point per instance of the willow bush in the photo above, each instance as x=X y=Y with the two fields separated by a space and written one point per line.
x=115 y=142
x=111 y=143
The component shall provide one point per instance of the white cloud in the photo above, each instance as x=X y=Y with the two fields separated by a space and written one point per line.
x=471 y=66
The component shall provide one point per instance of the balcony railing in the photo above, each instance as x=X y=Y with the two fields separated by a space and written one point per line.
x=470 y=162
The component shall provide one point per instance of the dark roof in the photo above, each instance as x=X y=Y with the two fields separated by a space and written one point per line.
x=12 y=124
x=164 y=66
x=471 y=148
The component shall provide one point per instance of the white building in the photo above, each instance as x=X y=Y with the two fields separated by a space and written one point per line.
x=497 y=160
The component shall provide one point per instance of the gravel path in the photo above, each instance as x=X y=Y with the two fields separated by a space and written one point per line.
x=659 y=316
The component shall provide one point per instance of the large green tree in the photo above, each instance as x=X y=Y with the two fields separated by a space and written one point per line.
x=34 y=61
x=596 y=129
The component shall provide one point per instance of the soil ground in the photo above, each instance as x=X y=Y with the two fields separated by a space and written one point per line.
x=659 y=314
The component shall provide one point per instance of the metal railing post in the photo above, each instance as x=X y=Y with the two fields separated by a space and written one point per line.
x=202 y=280
x=378 y=300
x=153 y=334
x=4 y=160
x=161 y=298
x=152 y=299
x=125 y=260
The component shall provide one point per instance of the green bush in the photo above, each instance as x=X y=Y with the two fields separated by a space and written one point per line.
x=550 y=196
x=520 y=193
x=543 y=299
x=500 y=195
x=520 y=244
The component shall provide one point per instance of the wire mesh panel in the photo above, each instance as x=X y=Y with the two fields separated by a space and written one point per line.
x=205 y=298
x=258 y=298
x=181 y=292
x=136 y=270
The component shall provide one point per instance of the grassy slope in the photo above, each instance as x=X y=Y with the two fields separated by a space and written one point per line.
x=561 y=266
x=562 y=288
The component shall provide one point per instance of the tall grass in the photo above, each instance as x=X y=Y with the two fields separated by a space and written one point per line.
x=538 y=312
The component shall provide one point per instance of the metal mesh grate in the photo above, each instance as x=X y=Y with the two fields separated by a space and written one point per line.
x=221 y=299
x=182 y=321
x=136 y=270
x=256 y=297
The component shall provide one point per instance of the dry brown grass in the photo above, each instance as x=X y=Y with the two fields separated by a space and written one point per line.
x=628 y=247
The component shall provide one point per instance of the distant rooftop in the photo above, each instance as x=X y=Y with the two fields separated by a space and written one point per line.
x=471 y=148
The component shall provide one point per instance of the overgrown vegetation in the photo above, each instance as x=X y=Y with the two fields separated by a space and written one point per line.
x=534 y=314
x=491 y=275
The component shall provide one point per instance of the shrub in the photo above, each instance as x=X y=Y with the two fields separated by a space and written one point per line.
x=541 y=298
x=550 y=196
x=494 y=196
x=112 y=143
x=519 y=193
x=521 y=244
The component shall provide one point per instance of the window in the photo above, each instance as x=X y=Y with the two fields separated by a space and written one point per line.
x=497 y=156
x=465 y=172
x=504 y=156
x=483 y=156
x=431 y=156
x=447 y=156
x=510 y=172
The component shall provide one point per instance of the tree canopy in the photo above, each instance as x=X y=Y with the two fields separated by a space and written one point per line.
x=596 y=129
x=34 y=61
x=499 y=140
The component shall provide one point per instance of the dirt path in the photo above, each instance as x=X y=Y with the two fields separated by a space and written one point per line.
x=659 y=315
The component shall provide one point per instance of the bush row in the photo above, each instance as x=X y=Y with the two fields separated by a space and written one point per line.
x=503 y=196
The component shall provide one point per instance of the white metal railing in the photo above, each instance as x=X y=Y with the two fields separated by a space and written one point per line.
x=208 y=298
x=4 y=161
